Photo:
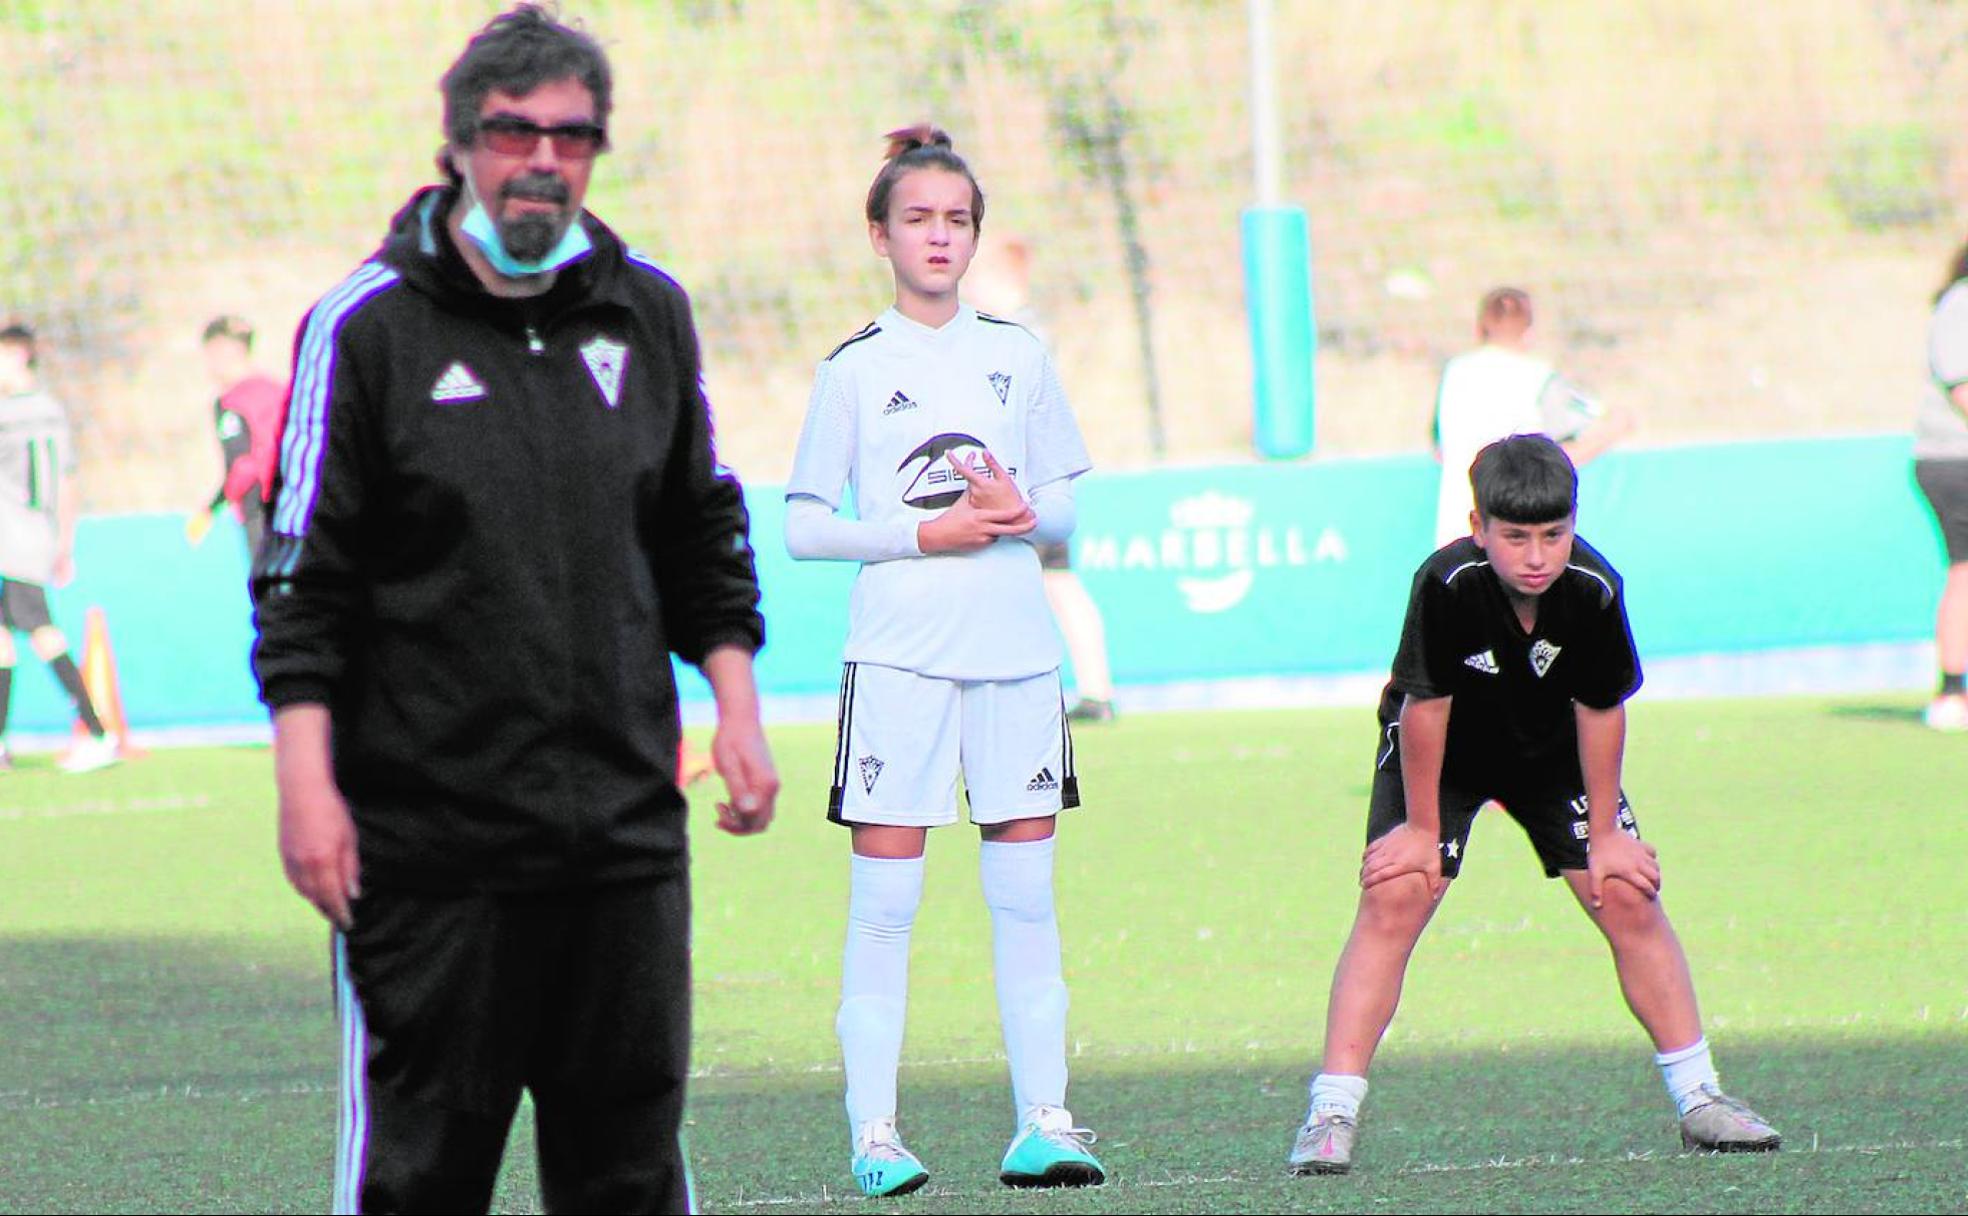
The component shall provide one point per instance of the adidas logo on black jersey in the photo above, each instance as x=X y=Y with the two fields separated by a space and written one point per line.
x=1043 y=781
x=1485 y=662
x=457 y=384
x=896 y=404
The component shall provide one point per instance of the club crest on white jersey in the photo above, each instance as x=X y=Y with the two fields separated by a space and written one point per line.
x=1002 y=383
x=457 y=385
x=605 y=359
x=871 y=769
x=1543 y=655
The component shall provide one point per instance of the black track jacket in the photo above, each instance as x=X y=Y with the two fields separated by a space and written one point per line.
x=493 y=522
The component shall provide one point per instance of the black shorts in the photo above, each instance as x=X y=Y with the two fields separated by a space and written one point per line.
x=1945 y=483
x=1549 y=806
x=24 y=606
x=451 y=1004
x=1055 y=555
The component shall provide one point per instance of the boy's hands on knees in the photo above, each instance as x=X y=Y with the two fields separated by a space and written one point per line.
x=1403 y=851
x=1627 y=858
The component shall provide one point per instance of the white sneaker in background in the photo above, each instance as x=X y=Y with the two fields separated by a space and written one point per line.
x=92 y=753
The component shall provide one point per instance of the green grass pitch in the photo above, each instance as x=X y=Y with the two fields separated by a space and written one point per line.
x=166 y=1041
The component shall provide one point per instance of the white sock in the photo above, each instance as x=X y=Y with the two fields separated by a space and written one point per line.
x=1684 y=1071
x=883 y=893
x=1025 y=948
x=1338 y=1094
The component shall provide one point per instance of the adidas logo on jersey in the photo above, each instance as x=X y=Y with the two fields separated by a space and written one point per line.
x=870 y=772
x=457 y=384
x=896 y=404
x=1543 y=655
x=1043 y=781
x=1485 y=662
x=1002 y=383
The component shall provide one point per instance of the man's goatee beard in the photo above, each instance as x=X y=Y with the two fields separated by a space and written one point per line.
x=528 y=238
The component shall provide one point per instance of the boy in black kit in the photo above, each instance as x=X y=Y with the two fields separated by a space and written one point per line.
x=1522 y=629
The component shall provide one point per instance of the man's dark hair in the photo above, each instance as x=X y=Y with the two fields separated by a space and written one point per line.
x=1525 y=479
x=19 y=333
x=515 y=53
x=237 y=328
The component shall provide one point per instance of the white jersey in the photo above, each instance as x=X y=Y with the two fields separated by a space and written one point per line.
x=1940 y=432
x=889 y=407
x=1488 y=394
x=35 y=455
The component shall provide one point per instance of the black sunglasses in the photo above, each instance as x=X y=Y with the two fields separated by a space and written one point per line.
x=510 y=136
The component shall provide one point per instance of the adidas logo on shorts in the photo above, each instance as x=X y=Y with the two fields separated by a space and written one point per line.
x=1043 y=781
x=896 y=404
x=1485 y=662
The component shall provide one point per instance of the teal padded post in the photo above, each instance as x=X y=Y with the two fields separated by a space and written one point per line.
x=1278 y=292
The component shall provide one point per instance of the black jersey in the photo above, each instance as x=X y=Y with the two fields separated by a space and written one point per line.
x=1513 y=688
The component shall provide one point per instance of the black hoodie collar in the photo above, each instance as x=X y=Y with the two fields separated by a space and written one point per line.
x=419 y=246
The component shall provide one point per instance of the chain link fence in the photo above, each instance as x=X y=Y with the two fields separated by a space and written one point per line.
x=1732 y=216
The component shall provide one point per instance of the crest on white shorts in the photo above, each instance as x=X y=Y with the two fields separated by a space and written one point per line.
x=870 y=772
x=606 y=359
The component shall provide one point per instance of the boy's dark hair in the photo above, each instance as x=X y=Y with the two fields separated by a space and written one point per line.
x=19 y=333
x=515 y=53
x=1525 y=479
x=238 y=329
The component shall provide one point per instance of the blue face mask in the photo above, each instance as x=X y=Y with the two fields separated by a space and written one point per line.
x=574 y=245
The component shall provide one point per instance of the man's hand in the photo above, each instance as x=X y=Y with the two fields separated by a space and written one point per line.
x=1628 y=858
x=317 y=834
x=1403 y=851
x=743 y=760
x=317 y=847
x=990 y=508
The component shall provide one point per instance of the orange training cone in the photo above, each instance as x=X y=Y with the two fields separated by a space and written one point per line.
x=99 y=677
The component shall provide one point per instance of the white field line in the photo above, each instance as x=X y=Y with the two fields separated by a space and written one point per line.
x=27 y=1099
x=827 y=1197
x=12 y=1101
x=109 y=806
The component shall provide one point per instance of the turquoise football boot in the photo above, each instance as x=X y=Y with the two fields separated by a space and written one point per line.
x=1049 y=1151
x=881 y=1165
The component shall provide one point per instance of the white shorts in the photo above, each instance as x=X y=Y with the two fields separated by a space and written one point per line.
x=904 y=739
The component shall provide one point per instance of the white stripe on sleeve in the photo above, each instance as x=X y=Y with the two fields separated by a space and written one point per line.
x=306 y=437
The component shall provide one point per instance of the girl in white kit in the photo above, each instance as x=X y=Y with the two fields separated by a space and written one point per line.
x=952 y=431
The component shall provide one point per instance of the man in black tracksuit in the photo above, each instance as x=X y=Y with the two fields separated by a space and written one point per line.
x=498 y=512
